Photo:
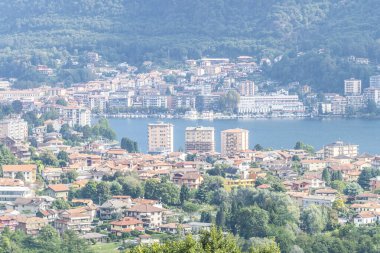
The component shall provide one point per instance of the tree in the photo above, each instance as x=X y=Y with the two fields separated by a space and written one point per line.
x=326 y=176
x=352 y=189
x=252 y=221
x=17 y=106
x=131 y=186
x=336 y=175
x=129 y=145
x=60 y=204
x=49 y=128
x=312 y=220
x=228 y=102
x=49 y=159
x=63 y=155
x=6 y=157
x=258 y=147
x=61 y=101
x=365 y=176
x=184 y=194
x=267 y=247
x=103 y=191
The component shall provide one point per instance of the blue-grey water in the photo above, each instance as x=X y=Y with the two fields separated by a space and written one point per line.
x=267 y=132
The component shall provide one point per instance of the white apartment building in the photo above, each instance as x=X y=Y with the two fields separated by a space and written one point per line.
x=339 y=105
x=234 y=141
x=340 y=148
x=352 y=87
x=155 y=101
x=160 y=138
x=11 y=193
x=372 y=94
x=74 y=115
x=270 y=103
x=247 y=88
x=200 y=139
x=14 y=128
x=374 y=81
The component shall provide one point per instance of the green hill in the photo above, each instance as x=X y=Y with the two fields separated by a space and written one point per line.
x=135 y=30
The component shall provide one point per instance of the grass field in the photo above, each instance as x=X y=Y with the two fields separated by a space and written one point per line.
x=106 y=247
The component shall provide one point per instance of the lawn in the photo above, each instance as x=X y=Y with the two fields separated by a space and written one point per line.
x=106 y=247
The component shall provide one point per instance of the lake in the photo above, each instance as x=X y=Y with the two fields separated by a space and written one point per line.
x=267 y=132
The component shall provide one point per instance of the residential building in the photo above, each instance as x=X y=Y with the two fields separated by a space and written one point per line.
x=191 y=179
x=160 y=138
x=114 y=208
x=340 y=148
x=318 y=201
x=11 y=193
x=58 y=191
x=31 y=225
x=366 y=218
x=77 y=219
x=247 y=88
x=233 y=141
x=375 y=183
x=229 y=184
x=26 y=172
x=126 y=225
x=352 y=87
x=14 y=128
x=150 y=215
x=200 y=139
x=275 y=103
x=374 y=81
x=372 y=94
x=175 y=228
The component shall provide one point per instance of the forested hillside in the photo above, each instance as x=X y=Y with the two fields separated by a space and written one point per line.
x=133 y=30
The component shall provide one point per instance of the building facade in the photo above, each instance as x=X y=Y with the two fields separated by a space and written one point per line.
x=160 y=138
x=234 y=141
x=352 y=87
x=200 y=139
x=14 y=128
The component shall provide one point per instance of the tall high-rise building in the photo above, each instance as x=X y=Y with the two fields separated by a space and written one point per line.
x=352 y=87
x=200 y=139
x=374 y=81
x=234 y=141
x=340 y=148
x=160 y=138
x=247 y=88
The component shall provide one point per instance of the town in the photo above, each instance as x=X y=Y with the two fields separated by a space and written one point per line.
x=64 y=168
x=209 y=88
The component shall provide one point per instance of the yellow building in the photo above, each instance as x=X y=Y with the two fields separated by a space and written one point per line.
x=200 y=139
x=229 y=184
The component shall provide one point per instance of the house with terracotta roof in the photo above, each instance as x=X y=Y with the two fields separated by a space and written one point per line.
x=8 y=221
x=192 y=179
x=114 y=208
x=76 y=219
x=175 y=228
x=30 y=225
x=150 y=215
x=58 y=191
x=366 y=218
x=126 y=225
x=28 y=172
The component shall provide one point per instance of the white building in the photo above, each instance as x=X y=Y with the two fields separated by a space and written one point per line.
x=160 y=138
x=247 y=88
x=340 y=148
x=374 y=81
x=372 y=94
x=352 y=87
x=14 y=128
x=155 y=101
x=11 y=193
x=269 y=104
